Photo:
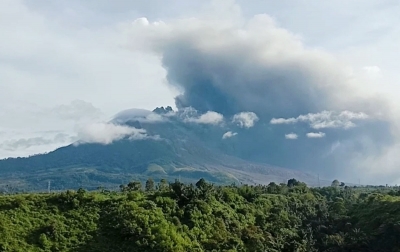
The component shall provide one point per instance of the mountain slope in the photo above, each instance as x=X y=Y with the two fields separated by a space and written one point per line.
x=180 y=150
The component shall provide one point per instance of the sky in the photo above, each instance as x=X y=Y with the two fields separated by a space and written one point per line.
x=332 y=65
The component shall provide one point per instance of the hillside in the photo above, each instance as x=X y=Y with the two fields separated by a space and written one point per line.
x=180 y=150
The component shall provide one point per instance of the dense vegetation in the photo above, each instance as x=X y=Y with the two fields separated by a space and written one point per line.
x=202 y=217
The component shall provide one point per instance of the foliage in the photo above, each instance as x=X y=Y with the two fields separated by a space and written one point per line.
x=202 y=217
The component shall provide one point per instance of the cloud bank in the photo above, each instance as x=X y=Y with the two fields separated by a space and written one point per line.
x=25 y=143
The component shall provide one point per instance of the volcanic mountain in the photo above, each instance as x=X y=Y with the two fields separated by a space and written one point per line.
x=160 y=144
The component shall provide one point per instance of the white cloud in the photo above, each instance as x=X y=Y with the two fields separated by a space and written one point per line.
x=315 y=134
x=106 y=133
x=372 y=69
x=373 y=75
x=20 y=143
x=245 y=119
x=228 y=134
x=283 y=120
x=325 y=119
x=209 y=117
x=33 y=129
x=25 y=143
x=291 y=136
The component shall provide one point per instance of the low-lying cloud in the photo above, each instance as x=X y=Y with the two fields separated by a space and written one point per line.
x=106 y=133
x=229 y=134
x=24 y=143
x=245 y=119
x=325 y=119
x=210 y=117
x=140 y=115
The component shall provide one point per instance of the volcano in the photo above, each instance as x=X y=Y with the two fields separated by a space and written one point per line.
x=171 y=145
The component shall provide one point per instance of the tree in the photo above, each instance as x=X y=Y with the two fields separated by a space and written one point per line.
x=122 y=188
x=134 y=186
x=273 y=188
x=149 y=185
x=335 y=183
x=204 y=188
x=201 y=183
x=163 y=185
x=292 y=182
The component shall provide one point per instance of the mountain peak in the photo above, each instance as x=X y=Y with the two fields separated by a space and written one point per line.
x=162 y=110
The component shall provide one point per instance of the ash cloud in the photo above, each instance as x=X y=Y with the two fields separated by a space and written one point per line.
x=232 y=66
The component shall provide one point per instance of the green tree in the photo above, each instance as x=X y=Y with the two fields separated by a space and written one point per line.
x=335 y=183
x=163 y=185
x=149 y=185
x=134 y=186
x=292 y=182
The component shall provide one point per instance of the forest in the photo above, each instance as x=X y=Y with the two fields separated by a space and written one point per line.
x=173 y=216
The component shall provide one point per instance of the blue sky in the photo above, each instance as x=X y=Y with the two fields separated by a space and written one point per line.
x=65 y=64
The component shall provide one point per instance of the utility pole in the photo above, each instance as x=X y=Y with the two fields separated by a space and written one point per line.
x=48 y=186
x=319 y=184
